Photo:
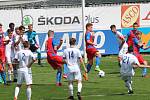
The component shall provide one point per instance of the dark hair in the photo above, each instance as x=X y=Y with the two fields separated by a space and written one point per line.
x=1 y=24
x=21 y=27
x=88 y=24
x=49 y=32
x=135 y=23
x=10 y=24
x=26 y=44
x=9 y=31
x=130 y=49
x=72 y=41
x=112 y=26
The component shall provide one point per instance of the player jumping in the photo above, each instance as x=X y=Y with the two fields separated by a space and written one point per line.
x=123 y=46
x=53 y=59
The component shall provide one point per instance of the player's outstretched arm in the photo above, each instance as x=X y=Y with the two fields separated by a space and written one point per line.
x=140 y=66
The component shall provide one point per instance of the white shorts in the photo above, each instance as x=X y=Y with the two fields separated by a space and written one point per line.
x=123 y=50
x=9 y=60
x=74 y=76
x=24 y=75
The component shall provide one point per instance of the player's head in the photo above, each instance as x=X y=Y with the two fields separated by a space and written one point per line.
x=1 y=27
x=17 y=30
x=30 y=27
x=130 y=49
x=11 y=26
x=26 y=44
x=135 y=26
x=50 y=33
x=72 y=41
x=22 y=29
x=113 y=28
x=138 y=34
x=10 y=33
x=89 y=27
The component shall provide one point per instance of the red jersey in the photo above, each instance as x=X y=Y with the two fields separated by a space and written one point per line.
x=89 y=36
x=50 y=47
x=131 y=35
x=2 y=45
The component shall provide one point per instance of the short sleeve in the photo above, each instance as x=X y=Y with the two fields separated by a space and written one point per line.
x=32 y=56
x=135 y=40
x=17 y=56
x=88 y=35
x=136 y=60
x=54 y=42
x=79 y=54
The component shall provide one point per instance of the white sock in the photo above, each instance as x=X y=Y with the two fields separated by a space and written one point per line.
x=28 y=93
x=9 y=75
x=128 y=85
x=97 y=66
x=71 y=89
x=79 y=87
x=16 y=91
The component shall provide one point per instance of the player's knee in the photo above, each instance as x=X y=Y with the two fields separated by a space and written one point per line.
x=98 y=54
x=145 y=62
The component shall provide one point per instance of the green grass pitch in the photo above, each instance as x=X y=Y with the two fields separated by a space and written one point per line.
x=111 y=87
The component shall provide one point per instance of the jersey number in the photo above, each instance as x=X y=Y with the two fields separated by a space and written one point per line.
x=126 y=59
x=23 y=56
x=71 y=55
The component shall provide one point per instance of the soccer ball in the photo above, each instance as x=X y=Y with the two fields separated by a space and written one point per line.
x=101 y=73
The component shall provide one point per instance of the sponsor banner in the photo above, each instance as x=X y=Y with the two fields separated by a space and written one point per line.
x=145 y=36
x=145 y=15
x=129 y=15
x=105 y=41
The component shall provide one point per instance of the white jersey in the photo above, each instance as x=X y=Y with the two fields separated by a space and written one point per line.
x=72 y=56
x=24 y=57
x=126 y=64
x=119 y=37
x=20 y=45
x=9 y=47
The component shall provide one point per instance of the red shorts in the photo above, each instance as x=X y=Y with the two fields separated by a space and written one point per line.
x=55 y=61
x=2 y=55
x=91 y=52
x=140 y=58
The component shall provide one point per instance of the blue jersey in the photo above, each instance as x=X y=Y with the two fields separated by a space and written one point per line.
x=31 y=37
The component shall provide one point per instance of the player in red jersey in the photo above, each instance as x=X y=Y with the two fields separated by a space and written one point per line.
x=53 y=59
x=131 y=35
x=137 y=44
x=90 y=49
x=2 y=55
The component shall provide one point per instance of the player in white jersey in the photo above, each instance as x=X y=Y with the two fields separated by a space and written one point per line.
x=123 y=46
x=25 y=58
x=128 y=63
x=9 y=52
x=20 y=38
x=72 y=56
